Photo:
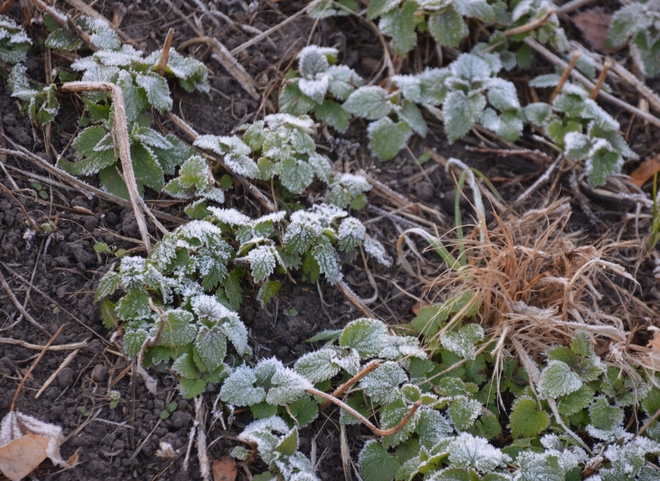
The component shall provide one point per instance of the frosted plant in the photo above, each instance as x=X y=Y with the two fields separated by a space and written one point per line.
x=14 y=42
x=637 y=23
x=41 y=105
x=320 y=87
x=277 y=445
x=462 y=341
x=582 y=128
x=195 y=180
x=348 y=189
x=550 y=33
x=468 y=451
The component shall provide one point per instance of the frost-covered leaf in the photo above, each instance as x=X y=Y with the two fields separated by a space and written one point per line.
x=333 y=114
x=342 y=81
x=602 y=162
x=350 y=234
x=377 y=8
x=577 y=146
x=287 y=386
x=557 y=379
x=108 y=284
x=315 y=89
x=538 y=113
x=236 y=332
x=468 y=451
x=238 y=389
x=179 y=329
x=100 y=32
x=303 y=232
x=157 y=90
x=321 y=166
x=191 y=73
x=526 y=419
x=475 y=9
x=626 y=22
x=375 y=464
x=368 y=102
x=133 y=341
x=296 y=175
x=93 y=160
x=537 y=466
x=293 y=101
x=502 y=95
x=461 y=112
x=134 y=305
x=463 y=340
x=366 y=336
x=448 y=27
x=376 y=250
x=327 y=259
x=464 y=411
x=19 y=83
x=211 y=346
x=14 y=42
x=386 y=137
x=576 y=401
x=399 y=24
x=413 y=116
x=263 y=260
x=382 y=384
x=145 y=165
x=317 y=366
x=432 y=427
x=603 y=416
x=313 y=60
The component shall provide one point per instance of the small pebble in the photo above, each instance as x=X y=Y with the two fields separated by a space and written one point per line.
x=100 y=373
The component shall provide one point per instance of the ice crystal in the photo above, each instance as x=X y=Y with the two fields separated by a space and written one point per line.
x=207 y=308
x=350 y=234
x=468 y=451
x=317 y=366
x=382 y=385
x=366 y=336
x=230 y=217
x=238 y=389
x=557 y=379
x=286 y=386
x=131 y=269
x=263 y=260
x=376 y=250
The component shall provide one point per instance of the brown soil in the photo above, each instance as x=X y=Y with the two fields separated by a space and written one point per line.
x=54 y=275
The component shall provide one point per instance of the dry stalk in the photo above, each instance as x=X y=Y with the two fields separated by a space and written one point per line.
x=642 y=89
x=564 y=76
x=53 y=376
x=530 y=26
x=601 y=80
x=165 y=55
x=121 y=135
x=34 y=364
x=351 y=382
x=35 y=347
x=354 y=299
x=89 y=10
x=361 y=418
x=20 y=307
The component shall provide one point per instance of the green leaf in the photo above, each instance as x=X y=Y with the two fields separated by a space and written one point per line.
x=296 y=175
x=180 y=328
x=94 y=158
x=233 y=289
x=476 y=9
x=112 y=181
x=267 y=291
x=527 y=420
x=133 y=341
x=412 y=115
x=367 y=336
x=326 y=257
x=146 y=167
x=430 y=318
x=263 y=410
x=464 y=411
x=462 y=341
x=576 y=401
x=377 y=8
x=108 y=285
x=461 y=112
x=369 y=103
x=386 y=138
x=333 y=114
x=134 y=305
x=448 y=27
x=317 y=366
x=108 y=315
x=602 y=163
x=375 y=464
x=538 y=113
x=557 y=379
x=558 y=129
x=625 y=23
x=304 y=411
x=156 y=89
x=191 y=388
x=185 y=366
x=399 y=24
x=452 y=474
x=382 y=385
x=293 y=101
x=211 y=347
x=603 y=416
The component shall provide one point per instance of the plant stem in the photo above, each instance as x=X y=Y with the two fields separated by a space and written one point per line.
x=165 y=54
x=362 y=419
x=601 y=80
x=351 y=382
x=564 y=76
x=34 y=364
x=530 y=26
x=120 y=125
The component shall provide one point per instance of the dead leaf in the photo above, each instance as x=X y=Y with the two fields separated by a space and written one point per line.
x=224 y=469
x=645 y=171
x=594 y=25
x=25 y=442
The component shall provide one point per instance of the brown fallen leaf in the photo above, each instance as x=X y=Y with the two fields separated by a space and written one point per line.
x=654 y=343
x=224 y=469
x=645 y=171
x=25 y=442
x=594 y=25
x=417 y=306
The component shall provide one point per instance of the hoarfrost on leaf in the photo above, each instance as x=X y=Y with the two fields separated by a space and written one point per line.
x=238 y=389
x=350 y=234
x=382 y=385
x=262 y=260
x=557 y=379
x=468 y=451
x=317 y=366
x=369 y=102
x=376 y=250
x=463 y=340
x=366 y=336
x=287 y=386
x=207 y=308
x=230 y=217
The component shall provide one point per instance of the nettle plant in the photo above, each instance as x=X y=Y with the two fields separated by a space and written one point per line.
x=14 y=42
x=638 y=23
x=320 y=87
x=282 y=147
x=179 y=304
x=41 y=104
x=583 y=129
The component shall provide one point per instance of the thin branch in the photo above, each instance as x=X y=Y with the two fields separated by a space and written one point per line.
x=354 y=299
x=564 y=76
x=37 y=347
x=645 y=91
x=351 y=382
x=601 y=80
x=120 y=125
x=34 y=364
x=530 y=26
x=20 y=307
x=361 y=418
x=590 y=85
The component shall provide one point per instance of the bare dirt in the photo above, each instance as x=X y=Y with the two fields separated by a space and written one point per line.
x=54 y=274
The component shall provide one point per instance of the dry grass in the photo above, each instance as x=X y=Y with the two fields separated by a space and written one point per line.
x=537 y=285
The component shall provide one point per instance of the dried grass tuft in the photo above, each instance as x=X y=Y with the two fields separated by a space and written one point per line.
x=538 y=286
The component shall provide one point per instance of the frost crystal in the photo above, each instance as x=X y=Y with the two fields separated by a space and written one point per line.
x=376 y=250
x=468 y=451
x=350 y=234
x=207 y=308
x=229 y=216
x=132 y=272
x=382 y=385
